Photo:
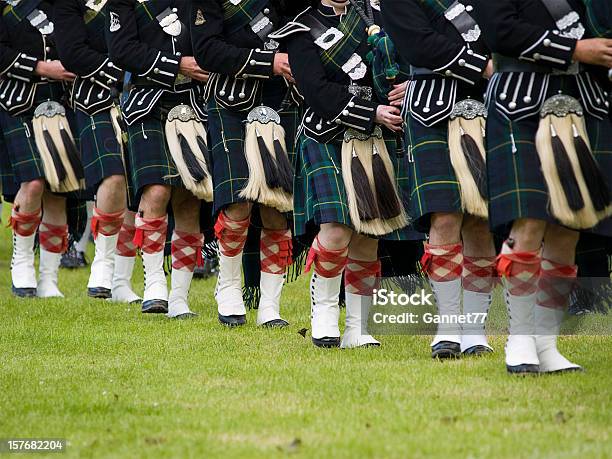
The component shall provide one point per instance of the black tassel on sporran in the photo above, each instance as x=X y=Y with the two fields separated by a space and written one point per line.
x=386 y=196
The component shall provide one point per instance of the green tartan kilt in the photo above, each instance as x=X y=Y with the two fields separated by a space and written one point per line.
x=149 y=158
x=7 y=177
x=25 y=162
x=433 y=184
x=319 y=194
x=226 y=131
x=516 y=184
x=100 y=151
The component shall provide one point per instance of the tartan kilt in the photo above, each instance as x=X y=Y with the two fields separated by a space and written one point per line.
x=226 y=131
x=7 y=177
x=23 y=154
x=516 y=184
x=149 y=157
x=433 y=184
x=100 y=151
x=319 y=193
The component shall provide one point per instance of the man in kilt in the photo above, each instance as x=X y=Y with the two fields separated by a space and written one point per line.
x=594 y=250
x=549 y=163
x=94 y=95
x=151 y=40
x=449 y=66
x=351 y=121
x=248 y=69
x=32 y=74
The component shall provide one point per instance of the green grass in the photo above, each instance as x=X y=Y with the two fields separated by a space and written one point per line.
x=116 y=383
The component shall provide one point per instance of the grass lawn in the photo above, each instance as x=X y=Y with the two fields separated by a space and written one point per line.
x=116 y=383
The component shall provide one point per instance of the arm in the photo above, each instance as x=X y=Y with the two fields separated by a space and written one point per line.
x=14 y=64
x=513 y=36
x=129 y=52
x=422 y=46
x=73 y=47
x=327 y=99
x=213 y=53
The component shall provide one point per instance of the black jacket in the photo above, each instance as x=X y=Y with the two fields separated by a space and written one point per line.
x=21 y=47
x=533 y=43
x=229 y=45
x=82 y=49
x=331 y=107
x=442 y=42
x=148 y=39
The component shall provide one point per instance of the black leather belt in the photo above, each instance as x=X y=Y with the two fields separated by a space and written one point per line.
x=505 y=64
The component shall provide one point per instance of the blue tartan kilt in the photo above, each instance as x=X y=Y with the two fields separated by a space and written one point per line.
x=7 y=177
x=433 y=184
x=226 y=131
x=516 y=183
x=100 y=151
x=319 y=193
x=149 y=158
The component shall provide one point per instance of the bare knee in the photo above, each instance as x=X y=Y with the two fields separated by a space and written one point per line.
x=31 y=192
x=155 y=200
x=334 y=236
x=560 y=244
x=115 y=183
x=187 y=215
x=477 y=238
x=363 y=248
x=528 y=233
x=445 y=228
x=238 y=211
x=272 y=218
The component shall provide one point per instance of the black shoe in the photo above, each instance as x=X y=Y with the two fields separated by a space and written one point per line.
x=523 y=369
x=232 y=321
x=446 y=350
x=73 y=259
x=154 y=307
x=477 y=350
x=99 y=292
x=326 y=342
x=276 y=323
x=24 y=292
x=185 y=316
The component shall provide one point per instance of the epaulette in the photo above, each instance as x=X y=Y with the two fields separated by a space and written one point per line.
x=292 y=27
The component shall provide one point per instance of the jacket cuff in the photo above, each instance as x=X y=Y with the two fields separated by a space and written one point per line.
x=22 y=68
x=467 y=66
x=164 y=69
x=106 y=75
x=358 y=114
x=552 y=50
x=259 y=64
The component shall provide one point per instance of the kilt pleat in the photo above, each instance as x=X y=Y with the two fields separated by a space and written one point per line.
x=100 y=151
x=433 y=184
x=7 y=177
x=149 y=157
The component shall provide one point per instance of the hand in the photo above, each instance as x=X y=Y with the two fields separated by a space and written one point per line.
x=53 y=70
x=397 y=94
x=595 y=51
x=281 y=67
x=489 y=70
x=190 y=68
x=389 y=117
